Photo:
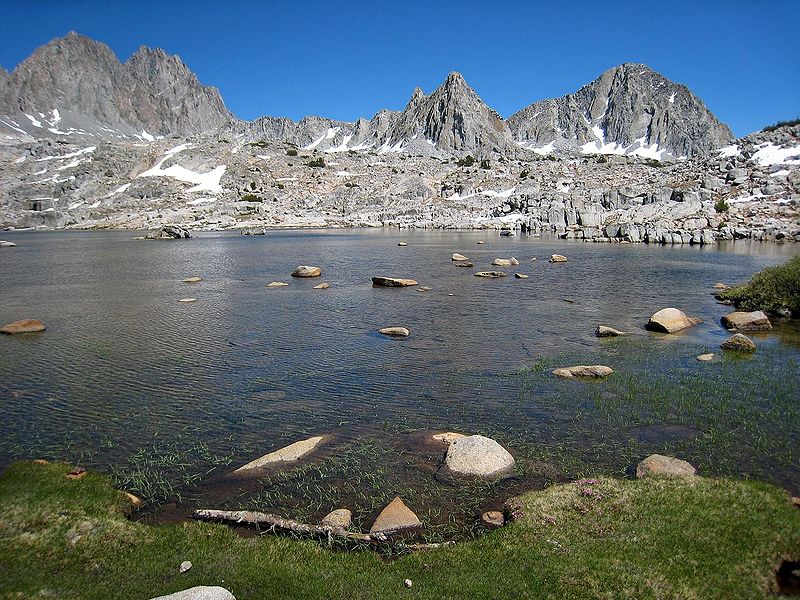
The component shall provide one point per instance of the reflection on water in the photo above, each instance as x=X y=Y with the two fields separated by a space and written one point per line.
x=123 y=365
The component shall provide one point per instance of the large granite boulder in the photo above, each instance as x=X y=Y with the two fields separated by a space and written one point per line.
x=747 y=321
x=657 y=464
x=739 y=342
x=392 y=282
x=671 y=320
x=290 y=453
x=307 y=271
x=200 y=592
x=396 y=516
x=23 y=326
x=478 y=456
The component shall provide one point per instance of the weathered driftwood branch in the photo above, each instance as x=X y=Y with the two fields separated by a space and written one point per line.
x=276 y=523
x=249 y=517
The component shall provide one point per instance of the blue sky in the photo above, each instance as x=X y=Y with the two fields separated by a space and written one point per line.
x=349 y=59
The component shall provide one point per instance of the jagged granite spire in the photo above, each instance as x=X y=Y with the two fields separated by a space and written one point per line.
x=629 y=105
x=83 y=81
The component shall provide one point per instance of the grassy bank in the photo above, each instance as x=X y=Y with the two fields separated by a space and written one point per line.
x=773 y=290
x=653 y=538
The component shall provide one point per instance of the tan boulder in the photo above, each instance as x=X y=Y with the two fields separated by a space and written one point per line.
x=657 y=464
x=306 y=271
x=557 y=258
x=393 y=282
x=501 y=262
x=671 y=320
x=467 y=264
x=479 y=456
x=23 y=326
x=584 y=372
x=514 y=262
x=493 y=519
x=322 y=286
x=720 y=286
x=739 y=342
x=448 y=437
x=192 y=279
x=706 y=357
x=290 y=453
x=490 y=274
x=604 y=331
x=521 y=276
x=747 y=321
x=341 y=518
x=395 y=331
x=394 y=517
x=458 y=257
x=187 y=300
x=277 y=284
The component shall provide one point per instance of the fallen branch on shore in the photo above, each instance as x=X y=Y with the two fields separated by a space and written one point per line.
x=278 y=524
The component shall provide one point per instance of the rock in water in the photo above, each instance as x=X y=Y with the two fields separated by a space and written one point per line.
x=479 y=456
x=394 y=517
x=458 y=257
x=186 y=300
x=23 y=326
x=277 y=284
x=169 y=232
x=747 y=321
x=467 y=264
x=603 y=331
x=657 y=464
x=306 y=271
x=514 y=262
x=670 y=320
x=5 y=244
x=480 y=242
x=739 y=342
x=557 y=258
x=448 y=437
x=341 y=518
x=584 y=372
x=192 y=279
x=501 y=262
x=393 y=282
x=322 y=286
x=706 y=357
x=200 y=592
x=490 y=274
x=401 y=244
x=395 y=331
x=289 y=453
x=520 y=276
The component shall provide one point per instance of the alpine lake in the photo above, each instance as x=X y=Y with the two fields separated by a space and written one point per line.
x=170 y=397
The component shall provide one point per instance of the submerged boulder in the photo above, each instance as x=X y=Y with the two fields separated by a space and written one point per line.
x=584 y=372
x=671 y=320
x=289 y=453
x=478 y=456
x=393 y=282
x=657 y=464
x=739 y=342
x=23 y=326
x=604 y=331
x=747 y=321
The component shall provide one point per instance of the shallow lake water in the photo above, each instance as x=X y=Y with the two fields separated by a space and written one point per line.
x=170 y=396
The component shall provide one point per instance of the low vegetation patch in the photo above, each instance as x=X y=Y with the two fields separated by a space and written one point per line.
x=775 y=290
x=779 y=124
x=649 y=538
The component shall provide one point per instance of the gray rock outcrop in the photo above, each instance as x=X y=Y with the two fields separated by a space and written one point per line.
x=629 y=105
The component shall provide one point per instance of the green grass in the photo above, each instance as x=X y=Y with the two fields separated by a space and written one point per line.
x=652 y=538
x=772 y=290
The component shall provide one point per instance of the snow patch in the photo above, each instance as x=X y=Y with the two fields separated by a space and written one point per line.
x=672 y=98
x=343 y=146
x=21 y=159
x=770 y=154
x=206 y=200
x=729 y=151
x=503 y=194
x=328 y=135
x=147 y=136
x=119 y=190
x=205 y=182
x=34 y=121
x=88 y=150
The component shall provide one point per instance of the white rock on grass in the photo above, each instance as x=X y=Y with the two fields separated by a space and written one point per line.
x=200 y=592
x=480 y=456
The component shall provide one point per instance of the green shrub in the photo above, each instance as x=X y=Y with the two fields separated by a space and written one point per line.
x=773 y=290
x=467 y=161
x=250 y=198
x=524 y=174
x=291 y=152
x=316 y=163
x=775 y=126
x=721 y=206
x=485 y=164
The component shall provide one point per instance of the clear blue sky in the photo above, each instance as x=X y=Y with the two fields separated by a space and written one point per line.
x=349 y=59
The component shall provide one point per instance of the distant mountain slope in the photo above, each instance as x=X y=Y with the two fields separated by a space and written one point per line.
x=76 y=84
x=628 y=109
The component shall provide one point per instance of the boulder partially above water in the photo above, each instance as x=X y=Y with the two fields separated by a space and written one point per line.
x=583 y=372
x=747 y=321
x=658 y=464
x=290 y=453
x=23 y=326
x=478 y=456
x=671 y=320
x=393 y=282
x=395 y=517
x=307 y=271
